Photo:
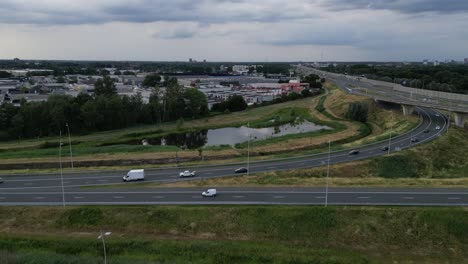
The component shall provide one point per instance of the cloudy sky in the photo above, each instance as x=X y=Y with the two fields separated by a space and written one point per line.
x=234 y=30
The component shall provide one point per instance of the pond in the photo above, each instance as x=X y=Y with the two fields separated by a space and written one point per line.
x=231 y=135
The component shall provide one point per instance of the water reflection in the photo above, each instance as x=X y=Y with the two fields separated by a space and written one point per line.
x=231 y=135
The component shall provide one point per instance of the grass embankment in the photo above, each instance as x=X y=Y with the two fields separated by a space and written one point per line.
x=239 y=234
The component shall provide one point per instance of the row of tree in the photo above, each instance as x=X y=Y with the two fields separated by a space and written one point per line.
x=105 y=111
x=447 y=78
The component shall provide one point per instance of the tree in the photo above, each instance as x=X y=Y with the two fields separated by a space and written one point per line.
x=5 y=74
x=357 y=112
x=105 y=86
x=60 y=79
x=196 y=103
x=152 y=80
x=236 y=103
x=305 y=93
x=312 y=80
x=17 y=125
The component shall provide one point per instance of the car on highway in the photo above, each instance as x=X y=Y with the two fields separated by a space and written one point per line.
x=426 y=130
x=384 y=148
x=1 y=180
x=354 y=152
x=437 y=115
x=241 y=170
x=209 y=193
x=414 y=140
x=187 y=173
x=437 y=127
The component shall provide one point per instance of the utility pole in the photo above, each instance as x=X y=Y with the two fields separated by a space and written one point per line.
x=61 y=170
x=328 y=174
x=248 y=151
x=390 y=139
x=69 y=144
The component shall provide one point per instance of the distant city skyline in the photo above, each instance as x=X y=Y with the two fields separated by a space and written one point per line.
x=234 y=30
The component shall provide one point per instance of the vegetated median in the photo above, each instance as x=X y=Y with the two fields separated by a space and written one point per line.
x=234 y=234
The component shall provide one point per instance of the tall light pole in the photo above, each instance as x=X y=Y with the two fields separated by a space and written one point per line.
x=61 y=170
x=101 y=236
x=248 y=150
x=390 y=138
x=69 y=144
x=448 y=121
x=328 y=173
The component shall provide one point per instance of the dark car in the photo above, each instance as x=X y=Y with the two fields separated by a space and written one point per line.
x=426 y=131
x=241 y=170
x=354 y=152
x=384 y=148
x=414 y=140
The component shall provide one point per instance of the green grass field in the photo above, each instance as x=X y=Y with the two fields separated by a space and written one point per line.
x=237 y=234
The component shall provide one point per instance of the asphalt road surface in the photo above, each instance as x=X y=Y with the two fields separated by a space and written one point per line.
x=284 y=196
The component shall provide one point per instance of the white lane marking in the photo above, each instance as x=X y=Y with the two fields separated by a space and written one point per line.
x=28 y=183
x=407 y=198
x=271 y=167
x=78 y=197
x=197 y=197
x=66 y=182
x=302 y=163
x=103 y=180
x=453 y=198
x=363 y=197
x=118 y=197
x=158 y=197
x=38 y=197
x=238 y=196
x=319 y=197
x=278 y=197
x=208 y=173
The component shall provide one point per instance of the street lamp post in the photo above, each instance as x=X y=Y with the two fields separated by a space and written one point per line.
x=248 y=151
x=61 y=170
x=69 y=144
x=328 y=173
x=101 y=236
x=390 y=138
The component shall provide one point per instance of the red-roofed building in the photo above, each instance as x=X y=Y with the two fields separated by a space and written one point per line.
x=294 y=87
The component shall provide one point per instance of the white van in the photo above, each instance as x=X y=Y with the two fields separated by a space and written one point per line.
x=134 y=175
x=209 y=193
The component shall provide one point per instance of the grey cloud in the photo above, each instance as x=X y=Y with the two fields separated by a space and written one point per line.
x=143 y=11
x=403 y=6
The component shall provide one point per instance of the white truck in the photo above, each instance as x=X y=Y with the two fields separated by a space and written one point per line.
x=209 y=193
x=135 y=175
x=187 y=174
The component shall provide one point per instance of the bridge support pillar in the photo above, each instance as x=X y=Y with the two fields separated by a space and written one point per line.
x=460 y=119
x=407 y=109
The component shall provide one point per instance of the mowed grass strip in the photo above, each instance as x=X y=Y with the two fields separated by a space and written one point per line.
x=238 y=234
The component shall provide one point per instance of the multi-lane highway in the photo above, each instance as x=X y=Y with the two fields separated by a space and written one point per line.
x=425 y=132
x=285 y=196
x=54 y=189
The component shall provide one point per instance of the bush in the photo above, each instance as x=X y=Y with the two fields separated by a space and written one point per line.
x=397 y=166
x=358 y=112
x=81 y=217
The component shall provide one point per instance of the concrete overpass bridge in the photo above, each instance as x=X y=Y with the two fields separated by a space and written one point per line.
x=408 y=98
x=408 y=106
